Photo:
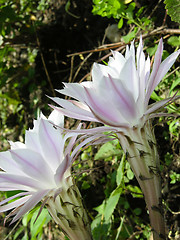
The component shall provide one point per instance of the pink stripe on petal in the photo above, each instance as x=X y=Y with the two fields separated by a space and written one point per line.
x=164 y=68
x=156 y=106
x=77 y=113
x=8 y=164
x=102 y=111
x=129 y=78
x=50 y=141
x=33 y=164
x=123 y=98
x=62 y=169
x=157 y=61
x=21 y=182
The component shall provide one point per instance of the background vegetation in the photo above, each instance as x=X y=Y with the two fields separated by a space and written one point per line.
x=44 y=43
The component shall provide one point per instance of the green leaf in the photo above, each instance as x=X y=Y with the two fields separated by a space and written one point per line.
x=107 y=150
x=174 y=41
x=129 y=36
x=173 y=7
x=120 y=170
x=135 y=191
x=112 y=202
x=175 y=84
x=130 y=174
x=152 y=50
x=120 y=23
x=18 y=232
x=43 y=219
x=137 y=211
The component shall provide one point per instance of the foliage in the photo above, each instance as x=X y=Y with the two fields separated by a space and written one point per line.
x=115 y=216
x=122 y=10
x=17 y=68
x=173 y=7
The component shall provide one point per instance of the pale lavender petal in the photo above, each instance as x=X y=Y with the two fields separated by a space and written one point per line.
x=71 y=110
x=147 y=70
x=127 y=53
x=24 y=183
x=163 y=69
x=117 y=61
x=35 y=198
x=51 y=144
x=132 y=51
x=121 y=97
x=9 y=187
x=72 y=140
x=156 y=106
x=56 y=118
x=16 y=145
x=139 y=52
x=157 y=61
x=65 y=164
x=93 y=130
x=15 y=196
x=74 y=90
x=8 y=164
x=100 y=71
x=14 y=204
x=103 y=109
x=33 y=165
x=83 y=143
x=129 y=78
x=32 y=141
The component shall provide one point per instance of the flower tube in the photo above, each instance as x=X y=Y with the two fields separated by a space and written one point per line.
x=41 y=169
x=118 y=97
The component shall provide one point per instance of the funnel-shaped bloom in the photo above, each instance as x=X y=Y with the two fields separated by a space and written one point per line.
x=119 y=93
x=118 y=96
x=41 y=169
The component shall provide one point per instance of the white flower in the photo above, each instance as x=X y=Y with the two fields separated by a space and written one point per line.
x=119 y=93
x=41 y=169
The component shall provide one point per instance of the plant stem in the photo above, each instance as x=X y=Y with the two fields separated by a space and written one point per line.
x=140 y=145
x=68 y=212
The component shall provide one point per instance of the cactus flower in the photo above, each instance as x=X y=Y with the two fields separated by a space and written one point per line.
x=118 y=97
x=41 y=169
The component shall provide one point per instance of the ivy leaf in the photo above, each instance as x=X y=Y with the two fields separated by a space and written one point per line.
x=173 y=7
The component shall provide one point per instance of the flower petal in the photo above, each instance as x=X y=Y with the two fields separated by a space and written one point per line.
x=71 y=110
x=33 y=165
x=65 y=164
x=157 y=61
x=19 y=182
x=103 y=108
x=8 y=164
x=51 y=144
x=163 y=69
x=14 y=204
x=129 y=78
x=56 y=118
x=30 y=203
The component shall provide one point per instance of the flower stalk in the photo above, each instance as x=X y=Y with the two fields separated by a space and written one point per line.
x=140 y=145
x=68 y=212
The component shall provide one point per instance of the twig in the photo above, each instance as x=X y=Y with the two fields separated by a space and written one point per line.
x=9 y=234
x=71 y=70
x=134 y=234
x=176 y=69
x=105 y=47
x=80 y=66
x=175 y=213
